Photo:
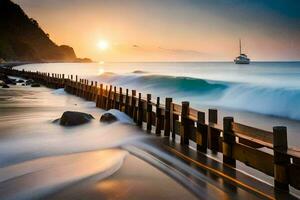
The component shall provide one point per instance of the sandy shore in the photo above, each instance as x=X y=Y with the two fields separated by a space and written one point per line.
x=136 y=179
x=106 y=174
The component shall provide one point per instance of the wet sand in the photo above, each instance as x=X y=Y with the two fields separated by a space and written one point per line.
x=106 y=174
x=135 y=180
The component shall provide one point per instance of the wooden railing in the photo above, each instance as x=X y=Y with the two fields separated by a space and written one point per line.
x=236 y=142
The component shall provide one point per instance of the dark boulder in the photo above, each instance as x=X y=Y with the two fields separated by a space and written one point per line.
x=35 y=85
x=3 y=76
x=7 y=80
x=108 y=118
x=29 y=81
x=20 y=81
x=72 y=118
x=5 y=86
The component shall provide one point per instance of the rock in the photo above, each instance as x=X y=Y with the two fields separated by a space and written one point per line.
x=2 y=76
x=6 y=80
x=29 y=81
x=35 y=85
x=72 y=118
x=20 y=81
x=5 y=86
x=108 y=118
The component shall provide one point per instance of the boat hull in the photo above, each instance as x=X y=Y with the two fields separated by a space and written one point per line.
x=242 y=61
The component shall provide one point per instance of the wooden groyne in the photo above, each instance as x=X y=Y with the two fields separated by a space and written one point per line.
x=235 y=141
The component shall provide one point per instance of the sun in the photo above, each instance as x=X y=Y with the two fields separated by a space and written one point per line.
x=103 y=45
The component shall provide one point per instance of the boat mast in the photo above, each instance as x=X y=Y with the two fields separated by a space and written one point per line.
x=240 y=47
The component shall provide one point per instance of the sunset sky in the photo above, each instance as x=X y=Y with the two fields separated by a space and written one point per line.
x=171 y=30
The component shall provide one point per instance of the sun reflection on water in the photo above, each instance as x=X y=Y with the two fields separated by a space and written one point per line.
x=100 y=71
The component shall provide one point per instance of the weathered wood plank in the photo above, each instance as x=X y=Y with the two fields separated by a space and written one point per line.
x=294 y=175
x=256 y=135
x=252 y=157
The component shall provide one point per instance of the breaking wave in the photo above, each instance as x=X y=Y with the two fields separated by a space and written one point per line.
x=269 y=100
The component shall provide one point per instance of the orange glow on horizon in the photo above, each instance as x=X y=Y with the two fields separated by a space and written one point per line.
x=128 y=33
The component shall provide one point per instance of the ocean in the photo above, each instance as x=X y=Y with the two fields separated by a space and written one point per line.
x=261 y=94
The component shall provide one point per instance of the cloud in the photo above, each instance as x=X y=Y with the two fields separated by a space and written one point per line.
x=184 y=51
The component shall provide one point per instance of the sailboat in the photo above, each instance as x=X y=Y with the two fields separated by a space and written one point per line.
x=242 y=58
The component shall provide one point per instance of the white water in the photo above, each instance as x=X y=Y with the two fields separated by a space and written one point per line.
x=38 y=156
x=266 y=88
x=270 y=91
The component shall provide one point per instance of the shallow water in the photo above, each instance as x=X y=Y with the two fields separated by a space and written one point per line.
x=40 y=159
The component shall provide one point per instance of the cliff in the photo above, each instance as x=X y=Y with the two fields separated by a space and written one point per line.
x=22 y=39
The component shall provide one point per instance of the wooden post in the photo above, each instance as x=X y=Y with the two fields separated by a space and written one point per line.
x=133 y=110
x=281 y=160
x=213 y=116
x=127 y=102
x=201 y=134
x=104 y=99
x=100 y=103
x=184 y=128
x=63 y=78
x=213 y=134
x=167 y=117
x=87 y=94
x=117 y=105
x=78 y=88
x=228 y=141
x=158 y=124
x=90 y=92
x=84 y=88
x=149 y=113
x=97 y=98
x=108 y=100
x=174 y=118
x=140 y=111
x=95 y=91
x=121 y=100
x=114 y=105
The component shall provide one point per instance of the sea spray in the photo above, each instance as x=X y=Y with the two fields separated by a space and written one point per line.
x=264 y=99
x=282 y=102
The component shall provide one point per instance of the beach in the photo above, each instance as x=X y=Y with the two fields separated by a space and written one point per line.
x=125 y=100
x=95 y=159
